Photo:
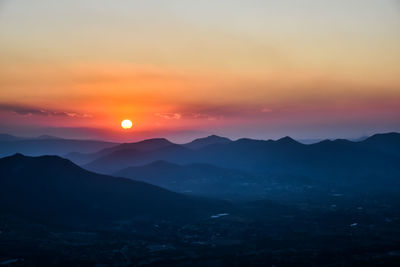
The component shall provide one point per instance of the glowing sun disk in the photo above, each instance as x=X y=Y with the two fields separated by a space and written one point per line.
x=126 y=124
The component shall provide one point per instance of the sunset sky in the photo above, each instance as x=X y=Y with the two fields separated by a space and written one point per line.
x=185 y=69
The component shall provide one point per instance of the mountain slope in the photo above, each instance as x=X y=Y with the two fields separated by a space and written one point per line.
x=388 y=143
x=52 y=146
x=326 y=158
x=53 y=189
x=209 y=140
x=198 y=178
x=145 y=145
x=288 y=156
x=120 y=159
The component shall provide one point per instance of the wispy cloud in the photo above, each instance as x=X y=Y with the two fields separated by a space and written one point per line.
x=169 y=116
x=213 y=112
x=24 y=110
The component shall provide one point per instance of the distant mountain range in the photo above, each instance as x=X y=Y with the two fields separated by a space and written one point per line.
x=145 y=145
x=48 y=145
x=209 y=140
x=376 y=154
x=54 y=190
x=216 y=165
x=84 y=151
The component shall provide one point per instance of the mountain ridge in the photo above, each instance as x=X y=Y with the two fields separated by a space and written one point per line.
x=56 y=190
x=259 y=155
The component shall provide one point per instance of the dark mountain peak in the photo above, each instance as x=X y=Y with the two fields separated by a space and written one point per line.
x=384 y=136
x=149 y=142
x=156 y=140
x=209 y=140
x=385 y=142
x=215 y=137
x=249 y=143
x=144 y=145
x=16 y=156
x=286 y=140
x=45 y=161
x=47 y=137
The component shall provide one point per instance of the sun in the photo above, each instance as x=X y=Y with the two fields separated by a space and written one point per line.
x=126 y=124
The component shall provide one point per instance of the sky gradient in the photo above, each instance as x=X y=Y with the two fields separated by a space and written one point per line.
x=184 y=69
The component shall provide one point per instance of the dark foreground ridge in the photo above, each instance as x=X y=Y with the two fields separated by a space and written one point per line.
x=54 y=190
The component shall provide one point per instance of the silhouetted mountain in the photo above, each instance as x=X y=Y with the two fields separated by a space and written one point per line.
x=50 y=146
x=197 y=178
x=120 y=159
x=145 y=145
x=287 y=141
x=209 y=140
x=53 y=189
x=387 y=142
x=326 y=158
x=45 y=137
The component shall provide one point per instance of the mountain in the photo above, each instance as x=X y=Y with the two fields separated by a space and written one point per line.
x=325 y=159
x=51 y=146
x=197 y=178
x=145 y=145
x=53 y=189
x=9 y=137
x=209 y=140
x=120 y=159
x=387 y=142
x=45 y=136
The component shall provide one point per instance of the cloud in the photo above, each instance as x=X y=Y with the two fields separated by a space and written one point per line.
x=213 y=112
x=24 y=110
x=169 y=116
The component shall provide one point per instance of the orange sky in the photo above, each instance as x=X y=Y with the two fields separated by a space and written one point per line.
x=255 y=68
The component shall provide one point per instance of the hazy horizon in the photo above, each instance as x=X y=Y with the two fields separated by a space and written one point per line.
x=185 y=137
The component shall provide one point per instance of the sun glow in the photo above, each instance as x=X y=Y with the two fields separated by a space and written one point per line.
x=126 y=124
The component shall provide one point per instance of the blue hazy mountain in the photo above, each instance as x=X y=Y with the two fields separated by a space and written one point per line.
x=53 y=189
x=49 y=145
x=47 y=137
x=387 y=143
x=209 y=140
x=120 y=159
x=285 y=155
x=145 y=145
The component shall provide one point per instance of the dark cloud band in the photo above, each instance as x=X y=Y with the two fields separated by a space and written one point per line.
x=35 y=111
